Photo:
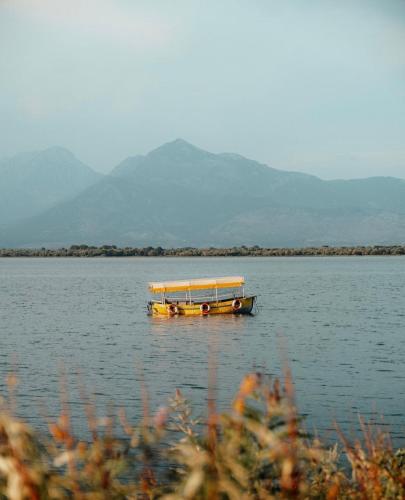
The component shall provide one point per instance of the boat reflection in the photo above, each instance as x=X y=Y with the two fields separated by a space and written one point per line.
x=199 y=325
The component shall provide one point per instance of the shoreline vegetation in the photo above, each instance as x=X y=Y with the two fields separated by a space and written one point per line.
x=241 y=251
x=258 y=449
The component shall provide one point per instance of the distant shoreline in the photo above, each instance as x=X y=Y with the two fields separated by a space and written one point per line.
x=243 y=251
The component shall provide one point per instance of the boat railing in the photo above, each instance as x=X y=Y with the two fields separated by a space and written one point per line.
x=202 y=298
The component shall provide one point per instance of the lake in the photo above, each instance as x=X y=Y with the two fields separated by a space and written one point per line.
x=339 y=321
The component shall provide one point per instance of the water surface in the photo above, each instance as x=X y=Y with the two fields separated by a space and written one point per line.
x=341 y=321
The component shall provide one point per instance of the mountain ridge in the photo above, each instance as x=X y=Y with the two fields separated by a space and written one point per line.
x=33 y=182
x=181 y=195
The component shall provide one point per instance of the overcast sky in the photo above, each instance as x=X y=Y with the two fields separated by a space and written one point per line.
x=310 y=85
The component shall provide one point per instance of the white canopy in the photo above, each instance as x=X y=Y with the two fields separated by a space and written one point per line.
x=197 y=284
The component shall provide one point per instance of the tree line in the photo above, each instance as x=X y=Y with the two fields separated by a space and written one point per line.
x=240 y=251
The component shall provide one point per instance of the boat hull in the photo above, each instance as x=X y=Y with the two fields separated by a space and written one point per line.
x=194 y=309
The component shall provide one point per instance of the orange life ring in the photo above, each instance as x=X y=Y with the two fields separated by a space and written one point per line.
x=205 y=308
x=236 y=304
x=172 y=309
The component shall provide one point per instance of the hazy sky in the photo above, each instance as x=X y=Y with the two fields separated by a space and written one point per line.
x=310 y=85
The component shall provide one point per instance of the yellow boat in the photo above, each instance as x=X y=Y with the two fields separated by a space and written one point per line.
x=224 y=295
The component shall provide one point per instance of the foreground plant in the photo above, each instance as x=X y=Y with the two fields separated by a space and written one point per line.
x=257 y=450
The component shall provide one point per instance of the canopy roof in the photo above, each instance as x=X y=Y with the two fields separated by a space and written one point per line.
x=197 y=284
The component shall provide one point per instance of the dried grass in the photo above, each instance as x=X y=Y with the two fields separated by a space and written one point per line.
x=257 y=450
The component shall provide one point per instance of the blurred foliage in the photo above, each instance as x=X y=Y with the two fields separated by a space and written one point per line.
x=257 y=450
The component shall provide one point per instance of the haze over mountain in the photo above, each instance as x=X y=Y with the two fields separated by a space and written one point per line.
x=33 y=182
x=319 y=85
x=180 y=195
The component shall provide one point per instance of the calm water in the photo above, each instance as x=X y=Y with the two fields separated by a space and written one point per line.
x=341 y=321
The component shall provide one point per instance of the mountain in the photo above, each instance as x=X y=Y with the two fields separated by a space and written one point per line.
x=180 y=195
x=33 y=182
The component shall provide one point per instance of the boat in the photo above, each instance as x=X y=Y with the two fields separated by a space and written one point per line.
x=201 y=297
